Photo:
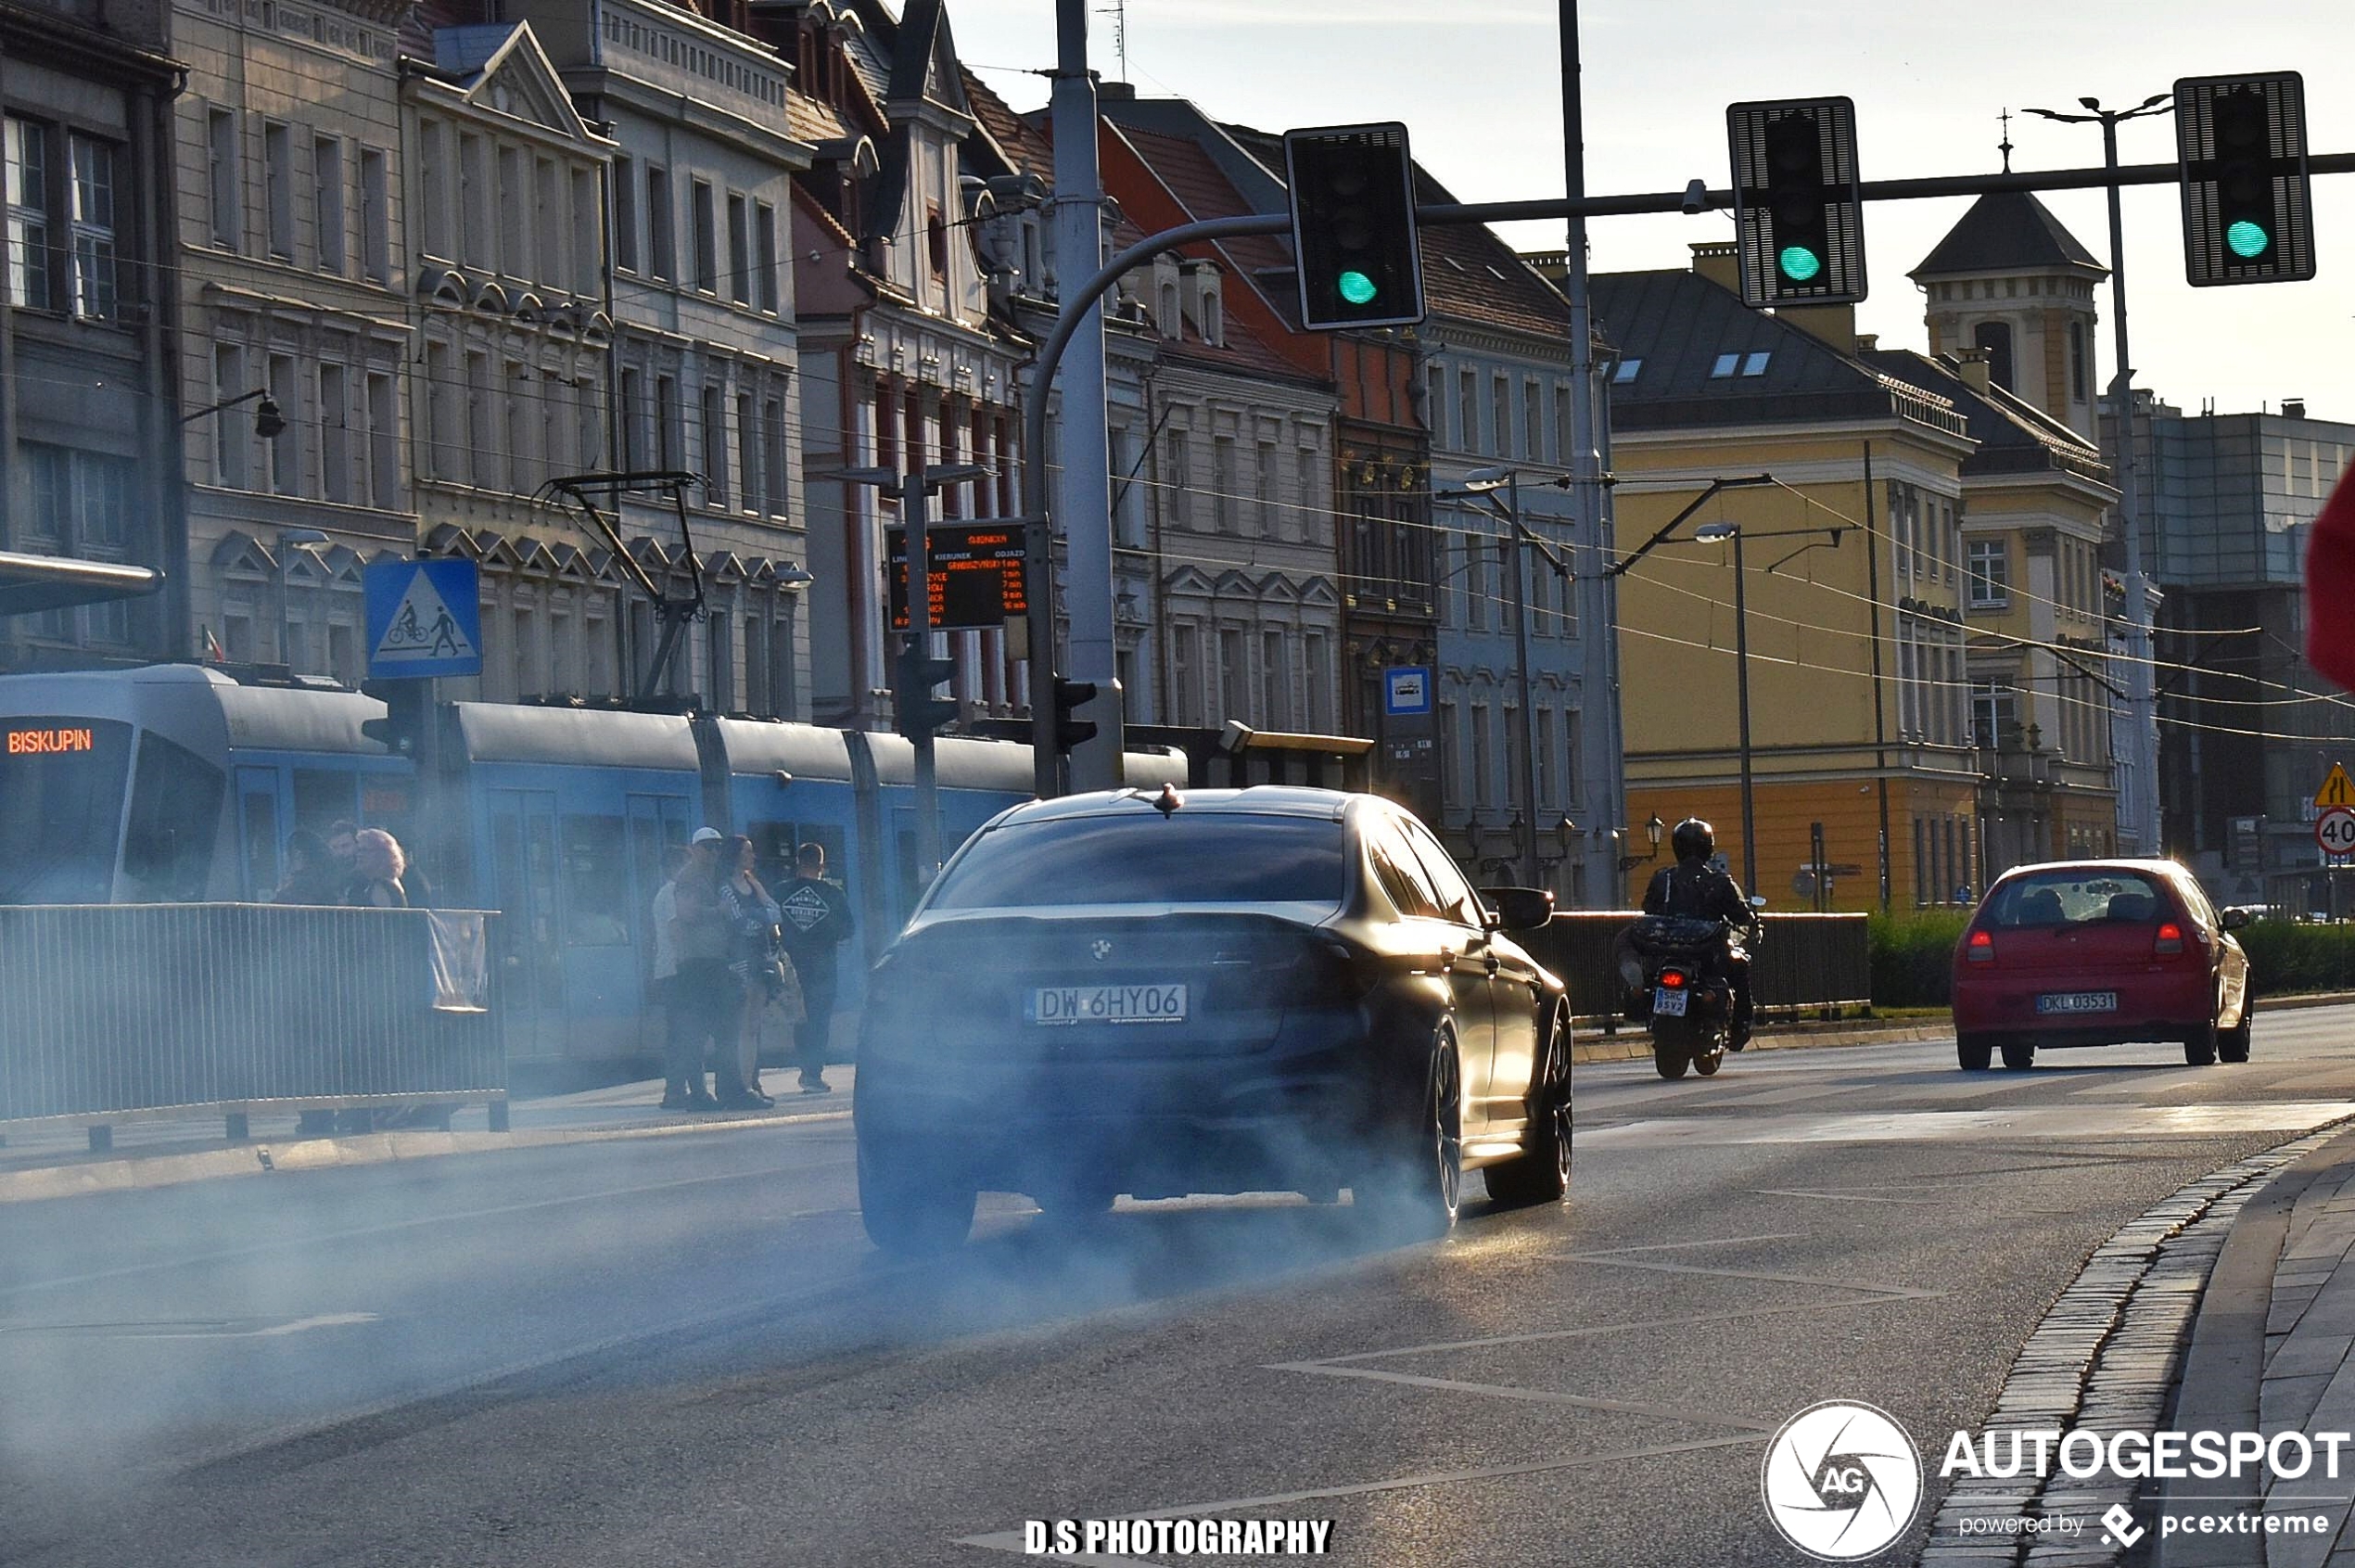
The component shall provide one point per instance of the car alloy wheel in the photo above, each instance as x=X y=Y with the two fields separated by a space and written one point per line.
x=1446 y=1127
x=1542 y=1175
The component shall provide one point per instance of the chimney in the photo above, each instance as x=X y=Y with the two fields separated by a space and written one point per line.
x=1719 y=261
x=1971 y=365
x=1117 y=91
x=1867 y=341
x=2293 y=408
x=1835 y=325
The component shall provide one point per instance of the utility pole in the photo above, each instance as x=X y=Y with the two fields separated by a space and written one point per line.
x=1083 y=490
x=2142 y=700
x=1522 y=723
x=1605 y=795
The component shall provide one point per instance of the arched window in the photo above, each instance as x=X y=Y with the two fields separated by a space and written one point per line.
x=1994 y=339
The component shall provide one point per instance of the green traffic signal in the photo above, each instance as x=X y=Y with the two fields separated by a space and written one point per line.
x=2247 y=240
x=1798 y=264
x=1356 y=288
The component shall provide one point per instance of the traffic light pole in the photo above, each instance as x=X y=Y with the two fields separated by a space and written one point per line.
x=2141 y=700
x=914 y=516
x=1076 y=307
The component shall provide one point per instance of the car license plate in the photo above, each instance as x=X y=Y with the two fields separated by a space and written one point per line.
x=1107 y=1005
x=1667 y=1003
x=2078 y=1001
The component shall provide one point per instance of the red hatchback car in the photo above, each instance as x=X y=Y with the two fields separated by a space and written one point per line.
x=2100 y=952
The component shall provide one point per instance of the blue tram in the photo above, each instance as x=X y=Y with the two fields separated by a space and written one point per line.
x=176 y=783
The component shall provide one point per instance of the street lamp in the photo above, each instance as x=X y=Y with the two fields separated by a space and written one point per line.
x=267 y=423
x=2141 y=695
x=1715 y=533
x=913 y=488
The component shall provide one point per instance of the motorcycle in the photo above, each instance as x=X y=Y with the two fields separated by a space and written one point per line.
x=1676 y=969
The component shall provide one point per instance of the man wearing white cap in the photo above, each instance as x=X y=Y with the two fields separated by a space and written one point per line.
x=690 y=950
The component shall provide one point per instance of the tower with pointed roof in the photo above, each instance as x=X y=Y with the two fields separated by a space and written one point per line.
x=2011 y=283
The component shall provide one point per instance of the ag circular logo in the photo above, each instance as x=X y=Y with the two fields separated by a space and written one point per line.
x=1842 y=1481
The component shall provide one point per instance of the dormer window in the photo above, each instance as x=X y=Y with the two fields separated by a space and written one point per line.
x=936 y=242
x=1172 y=323
x=1213 y=328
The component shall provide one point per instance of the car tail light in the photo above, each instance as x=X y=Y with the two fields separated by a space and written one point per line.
x=1981 y=948
x=2170 y=938
x=1673 y=978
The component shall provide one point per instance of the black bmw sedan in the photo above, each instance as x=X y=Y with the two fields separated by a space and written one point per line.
x=1224 y=990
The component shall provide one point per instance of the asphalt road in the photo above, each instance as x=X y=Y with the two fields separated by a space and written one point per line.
x=681 y=1350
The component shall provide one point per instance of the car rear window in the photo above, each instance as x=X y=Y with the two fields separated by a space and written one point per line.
x=2077 y=898
x=1143 y=858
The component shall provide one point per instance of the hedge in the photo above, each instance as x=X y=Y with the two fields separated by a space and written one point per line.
x=1913 y=957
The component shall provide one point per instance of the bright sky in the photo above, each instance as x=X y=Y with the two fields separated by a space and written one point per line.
x=1478 y=83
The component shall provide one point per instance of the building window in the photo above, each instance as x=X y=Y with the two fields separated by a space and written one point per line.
x=433 y=159
x=1533 y=422
x=277 y=178
x=1755 y=365
x=441 y=413
x=764 y=228
x=739 y=251
x=326 y=173
x=473 y=203
x=481 y=439
x=1991 y=573
x=1467 y=411
x=715 y=445
x=747 y=456
x=1234 y=677
x=1275 y=682
x=1994 y=338
x=514 y=208
x=1222 y=482
x=94 y=236
x=548 y=226
x=28 y=184
x=772 y=452
x=375 y=217
x=335 y=435
x=706 y=237
x=667 y=436
x=1178 y=484
x=1500 y=422
x=231 y=436
x=2077 y=377
x=221 y=143
x=625 y=214
x=936 y=242
x=661 y=253
x=1627 y=372
x=383 y=443
x=286 y=449
x=1726 y=364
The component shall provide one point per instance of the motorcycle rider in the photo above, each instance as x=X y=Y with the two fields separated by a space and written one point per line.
x=1694 y=889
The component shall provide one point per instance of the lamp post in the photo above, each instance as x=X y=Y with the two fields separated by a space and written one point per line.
x=1714 y=533
x=2142 y=699
x=914 y=489
x=267 y=423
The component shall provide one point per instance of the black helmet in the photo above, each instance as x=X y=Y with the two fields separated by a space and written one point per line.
x=1694 y=839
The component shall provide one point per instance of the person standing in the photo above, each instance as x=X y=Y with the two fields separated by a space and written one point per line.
x=703 y=998
x=683 y=1077
x=312 y=876
x=817 y=921
x=378 y=863
x=757 y=962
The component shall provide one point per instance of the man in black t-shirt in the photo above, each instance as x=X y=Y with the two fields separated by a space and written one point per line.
x=817 y=921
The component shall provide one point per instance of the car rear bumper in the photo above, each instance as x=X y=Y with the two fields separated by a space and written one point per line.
x=2150 y=1007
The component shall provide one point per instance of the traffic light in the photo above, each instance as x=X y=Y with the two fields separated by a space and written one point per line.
x=408 y=708
x=1353 y=226
x=1798 y=209
x=916 y=711
x=1070 y=697
x=2248 y=211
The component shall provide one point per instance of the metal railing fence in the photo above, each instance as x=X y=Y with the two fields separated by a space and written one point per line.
x=115 y=1010
x=1805 y=962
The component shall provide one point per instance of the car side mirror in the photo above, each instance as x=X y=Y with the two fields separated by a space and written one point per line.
x=2235 y=918
x=1518 y=909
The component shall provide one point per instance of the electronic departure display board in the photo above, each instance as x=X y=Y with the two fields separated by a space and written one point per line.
x=977 y=570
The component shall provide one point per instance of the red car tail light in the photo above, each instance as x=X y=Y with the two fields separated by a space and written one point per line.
x=2170 y=938
x=1981 y=948
x=1673 y=978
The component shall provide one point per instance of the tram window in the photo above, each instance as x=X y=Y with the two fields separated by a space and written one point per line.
x=596 y=875
x=175 y=814
x=262 y=844
x=772 y=846
x=60 y=808
x=323 y=797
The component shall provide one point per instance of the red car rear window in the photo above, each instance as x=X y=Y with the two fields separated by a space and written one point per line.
x=2077 y=898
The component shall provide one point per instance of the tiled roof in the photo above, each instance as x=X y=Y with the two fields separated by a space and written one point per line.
x=1681 y=326
x=2005 y=231
x=2010 y=431
x=1025 y=146
x=810 y=120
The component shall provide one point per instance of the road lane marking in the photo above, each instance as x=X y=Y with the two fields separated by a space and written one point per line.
x=225 y=1328
x=1534 y=1396
x=2018 y=1121
x=1710 y=1242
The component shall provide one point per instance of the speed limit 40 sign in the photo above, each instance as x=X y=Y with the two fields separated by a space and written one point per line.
x=2334 y=831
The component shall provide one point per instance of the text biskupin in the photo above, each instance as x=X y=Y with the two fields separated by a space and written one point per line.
x=34 y=743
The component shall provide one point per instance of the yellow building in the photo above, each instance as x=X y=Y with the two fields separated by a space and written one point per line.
x=1860 y=724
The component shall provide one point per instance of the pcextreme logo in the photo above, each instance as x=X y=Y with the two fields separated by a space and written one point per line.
x=1842 y=1481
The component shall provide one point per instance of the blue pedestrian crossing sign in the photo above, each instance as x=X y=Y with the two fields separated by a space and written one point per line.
x=424 y=619
x=1406 y=690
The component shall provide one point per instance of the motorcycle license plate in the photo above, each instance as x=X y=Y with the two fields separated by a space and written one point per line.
x=1669 y=1003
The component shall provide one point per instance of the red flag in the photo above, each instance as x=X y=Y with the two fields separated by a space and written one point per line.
x=2330 y=587
x=212 y=649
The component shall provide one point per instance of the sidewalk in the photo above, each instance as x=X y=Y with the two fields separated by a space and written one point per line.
x=2273 y=1351
x=52 y=1160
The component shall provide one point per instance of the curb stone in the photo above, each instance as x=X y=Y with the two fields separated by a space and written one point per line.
x=2104 y=1359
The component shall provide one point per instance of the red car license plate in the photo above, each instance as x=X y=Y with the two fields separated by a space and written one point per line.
x=2078 y=1001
